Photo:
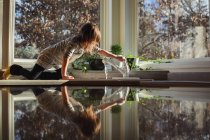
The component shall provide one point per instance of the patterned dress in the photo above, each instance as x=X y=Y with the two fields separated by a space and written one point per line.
x=52 y=56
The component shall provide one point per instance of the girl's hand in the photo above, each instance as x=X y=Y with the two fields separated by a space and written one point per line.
x=67 y=77
x=120 y=101
x=120 y=58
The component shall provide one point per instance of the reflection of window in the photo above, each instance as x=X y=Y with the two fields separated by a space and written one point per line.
x=173 y=29
x=41 y=23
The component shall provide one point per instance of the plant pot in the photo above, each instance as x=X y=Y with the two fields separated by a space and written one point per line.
x=132 y=62
x=96 y=64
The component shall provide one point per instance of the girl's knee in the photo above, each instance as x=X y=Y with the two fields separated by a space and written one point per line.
x=15 y=69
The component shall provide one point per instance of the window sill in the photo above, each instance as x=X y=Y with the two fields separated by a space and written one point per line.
x=150 y=74
x=188 y=65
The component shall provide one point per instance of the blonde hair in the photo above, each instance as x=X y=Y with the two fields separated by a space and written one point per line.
x=90 y=35
x=88 y=122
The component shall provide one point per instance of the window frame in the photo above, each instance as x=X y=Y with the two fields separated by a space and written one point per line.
x=25 y=96
x=177 y=65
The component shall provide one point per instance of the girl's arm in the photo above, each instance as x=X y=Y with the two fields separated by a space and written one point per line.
x=64 y=69
x=111 y=55
x=105 y=106
x=66 y=97
x=65 y=94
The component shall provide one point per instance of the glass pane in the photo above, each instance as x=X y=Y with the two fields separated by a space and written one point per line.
x=40 y=23
x=171 y=29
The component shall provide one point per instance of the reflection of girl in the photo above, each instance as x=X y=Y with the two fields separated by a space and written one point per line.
x=63 y=53
x=69 y=109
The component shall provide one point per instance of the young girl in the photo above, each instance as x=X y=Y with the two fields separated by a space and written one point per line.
x=69 y=109
x=61 y=54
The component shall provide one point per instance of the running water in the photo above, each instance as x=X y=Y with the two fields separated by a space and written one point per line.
x=113 y=95
x=122 y=67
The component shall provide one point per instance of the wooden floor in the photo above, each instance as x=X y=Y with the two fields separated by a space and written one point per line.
x=105 y=82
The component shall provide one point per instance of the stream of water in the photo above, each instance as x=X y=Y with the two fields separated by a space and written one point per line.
x=122 y=67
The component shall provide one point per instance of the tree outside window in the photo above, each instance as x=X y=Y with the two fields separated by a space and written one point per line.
x=173 y=29
x=40 y=23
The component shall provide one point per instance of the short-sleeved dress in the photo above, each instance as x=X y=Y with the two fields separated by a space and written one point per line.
x=52 y=56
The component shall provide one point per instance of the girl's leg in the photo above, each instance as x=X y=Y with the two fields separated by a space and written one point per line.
x=51 y=75
x=37 y=91
x=31 y=75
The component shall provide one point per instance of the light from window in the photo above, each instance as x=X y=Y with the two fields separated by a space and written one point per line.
x=41 y=23
x=173 y=29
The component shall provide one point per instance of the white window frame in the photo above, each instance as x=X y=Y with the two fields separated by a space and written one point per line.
x=8 y=30
x=26 y=96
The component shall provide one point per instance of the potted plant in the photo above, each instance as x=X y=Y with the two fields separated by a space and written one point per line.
x=116 y=109
x=131 y=95
x=96 y=62
x=88 y=62
x=116 y=49
x=132 y=61
x=82 y=63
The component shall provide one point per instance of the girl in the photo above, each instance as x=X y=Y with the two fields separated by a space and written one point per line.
x=69 y=109
x=61 y=54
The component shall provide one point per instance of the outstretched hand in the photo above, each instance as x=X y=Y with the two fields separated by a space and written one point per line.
x=120 y=101
x=120 y=58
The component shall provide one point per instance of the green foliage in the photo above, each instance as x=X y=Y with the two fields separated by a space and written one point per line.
x=130 y=56
x=141 y=58
x=131 y=95
x=131 y=61
x=116 y=109
x=83 y=63
x=116 y=49
x=159 y=61
x=84 y=96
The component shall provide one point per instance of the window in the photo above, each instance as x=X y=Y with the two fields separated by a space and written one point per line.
x=173 y=29
x=40 y=23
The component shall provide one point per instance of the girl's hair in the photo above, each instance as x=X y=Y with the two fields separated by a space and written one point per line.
x=88 y=122
x=89 y=35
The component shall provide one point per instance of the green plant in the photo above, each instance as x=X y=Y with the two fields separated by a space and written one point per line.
x=84 y=96
x=116 y=109
x=116 y=49
x=131 y=95
x=83 y=63
x=131 y=61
